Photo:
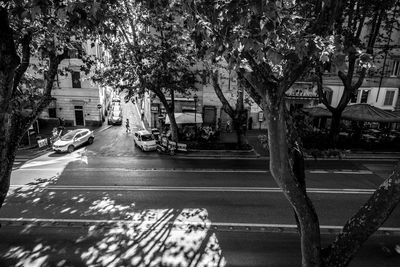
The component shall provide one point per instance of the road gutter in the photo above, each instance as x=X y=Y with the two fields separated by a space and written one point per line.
x=206 y=189
x=214 y=226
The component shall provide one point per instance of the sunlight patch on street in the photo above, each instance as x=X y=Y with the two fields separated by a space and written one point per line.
x=134 y=237
x=46 y=167
x=163 y=237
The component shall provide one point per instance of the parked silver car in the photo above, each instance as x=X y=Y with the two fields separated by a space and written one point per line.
x=73 y=139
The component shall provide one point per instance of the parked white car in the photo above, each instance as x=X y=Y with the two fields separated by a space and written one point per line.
x=73 y=139
x=115 y=116
x=145 y=140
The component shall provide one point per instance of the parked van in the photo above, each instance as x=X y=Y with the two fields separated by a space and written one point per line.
x=145 y=140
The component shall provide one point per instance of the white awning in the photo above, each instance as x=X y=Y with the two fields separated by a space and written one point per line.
x=186 y=118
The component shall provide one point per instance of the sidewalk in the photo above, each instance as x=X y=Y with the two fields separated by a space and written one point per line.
x=260 y=152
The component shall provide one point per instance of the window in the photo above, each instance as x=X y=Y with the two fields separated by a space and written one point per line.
x=74 y=53
x=76 y=79
x=353 y=97
x=328 y=95
x=52 y=113
x=389 y=98
x=364 y=96
x=395 y=69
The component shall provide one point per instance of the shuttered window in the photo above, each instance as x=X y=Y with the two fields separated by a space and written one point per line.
x=76 y=79
x=364 y=96
x=389 y=98
x=395 y=70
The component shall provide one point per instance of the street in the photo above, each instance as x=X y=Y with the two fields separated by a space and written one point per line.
x=110 y=204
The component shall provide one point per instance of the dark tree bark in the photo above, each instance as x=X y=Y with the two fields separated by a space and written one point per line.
x=170 y=112
x=365 y=222
x=281 y=166
x=355 y=21
x=238 y=115
x=9 y=61
x=15 y=120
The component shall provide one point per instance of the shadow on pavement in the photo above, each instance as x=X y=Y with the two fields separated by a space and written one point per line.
x=110 y=233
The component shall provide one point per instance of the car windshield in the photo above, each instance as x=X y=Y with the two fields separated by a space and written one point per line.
x=69 y=136
x=116 y=113
x=147 y=137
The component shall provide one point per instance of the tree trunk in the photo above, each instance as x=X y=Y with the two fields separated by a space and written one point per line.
x=365 y=222
x=239 y=133
x=171 y=114
x=239 y=122
x=9 y=62
x=9 y=140
x=170 y=109
x=173 y=125
x=240 y=118
x=283 y=174
x=335 y=127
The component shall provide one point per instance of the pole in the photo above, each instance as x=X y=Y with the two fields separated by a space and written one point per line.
x=195 y=118
x=100 y=120
x=29 y=138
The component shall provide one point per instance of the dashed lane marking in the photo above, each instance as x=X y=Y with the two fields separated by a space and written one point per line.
x=204 y=170
x=205 y=189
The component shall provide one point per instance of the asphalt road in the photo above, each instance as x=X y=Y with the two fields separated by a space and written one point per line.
x=110 y=203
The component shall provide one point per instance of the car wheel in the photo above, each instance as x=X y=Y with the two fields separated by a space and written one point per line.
x=90 y=140
x=71 y=149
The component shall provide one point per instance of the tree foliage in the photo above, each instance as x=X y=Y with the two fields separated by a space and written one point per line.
x=352 y=49
x=272 y=44
x=41 y=30
x=150 y=51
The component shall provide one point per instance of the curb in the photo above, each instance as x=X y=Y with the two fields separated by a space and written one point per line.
x=103 y=129
x=194 y=153
x=222 y=227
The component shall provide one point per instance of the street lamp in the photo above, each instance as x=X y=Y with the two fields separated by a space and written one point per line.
x=195 y=98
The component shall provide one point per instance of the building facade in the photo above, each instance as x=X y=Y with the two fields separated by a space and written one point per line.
x=76 y=98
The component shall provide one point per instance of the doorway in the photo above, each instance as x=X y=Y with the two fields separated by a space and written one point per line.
x=79 y=121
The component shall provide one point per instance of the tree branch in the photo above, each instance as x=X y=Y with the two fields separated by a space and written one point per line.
x=251 y=89
x=225 y=104
x=366 y=221
x=343 y=77
x=130 y=21
x=296 y=71
x=360 y=80
x=320 y=90
x=26 y=55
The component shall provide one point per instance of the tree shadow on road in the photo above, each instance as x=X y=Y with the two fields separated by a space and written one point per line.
x=101 y=232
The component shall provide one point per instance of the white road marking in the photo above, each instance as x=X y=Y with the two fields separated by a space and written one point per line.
x=161 y=170
x=189 y=170
x=205 y=189
x=214 y=225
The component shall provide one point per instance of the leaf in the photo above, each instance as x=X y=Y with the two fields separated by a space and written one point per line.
x=275 y=57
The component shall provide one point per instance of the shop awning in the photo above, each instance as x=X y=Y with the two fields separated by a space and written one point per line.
x=358 y=112
x=365 y=112
x=186 y=118
x=318 y=112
